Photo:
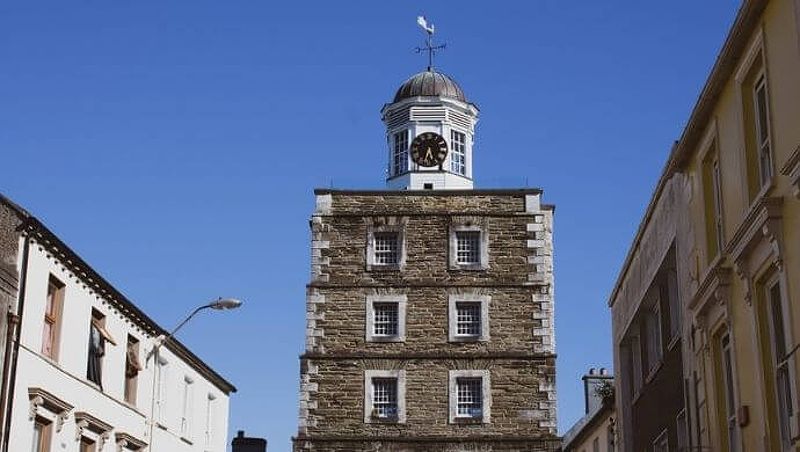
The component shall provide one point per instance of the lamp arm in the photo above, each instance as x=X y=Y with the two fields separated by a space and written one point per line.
x=186 y=320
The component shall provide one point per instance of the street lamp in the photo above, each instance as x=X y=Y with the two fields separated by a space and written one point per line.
x=220 y=304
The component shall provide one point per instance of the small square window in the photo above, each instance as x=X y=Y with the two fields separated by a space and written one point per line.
x=468 y=318
x=469 y=398
x=384 y=396
x=469 y=244
x=385 y=248
x=385 y=318
x=468 y=247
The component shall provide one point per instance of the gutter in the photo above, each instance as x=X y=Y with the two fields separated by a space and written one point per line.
x=9 y=381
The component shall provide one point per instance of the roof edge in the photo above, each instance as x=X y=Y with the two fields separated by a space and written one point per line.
x=89 y=275
x=452 y=192
x=724 y=66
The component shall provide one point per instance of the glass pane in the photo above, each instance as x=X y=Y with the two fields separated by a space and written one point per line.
x=469 y=395
x=468 y=247
x=385 y=319
x=762 y=110
x=468 y=319
x=384 y=397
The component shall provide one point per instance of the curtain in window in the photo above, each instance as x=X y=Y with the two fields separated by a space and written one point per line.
x=132 y=364
x=97 y=348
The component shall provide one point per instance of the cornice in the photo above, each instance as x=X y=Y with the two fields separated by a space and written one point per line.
x=464 y=192
x=752 y=227
x=531 y=356
x=126 y=441
x=713 y=287
x=428 y=439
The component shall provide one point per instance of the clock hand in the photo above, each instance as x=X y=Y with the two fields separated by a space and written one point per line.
x=429 y=154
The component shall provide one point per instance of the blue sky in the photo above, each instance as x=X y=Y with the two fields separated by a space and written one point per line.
x=175 y=146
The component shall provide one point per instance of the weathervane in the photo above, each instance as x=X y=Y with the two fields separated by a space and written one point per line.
x=429 y=47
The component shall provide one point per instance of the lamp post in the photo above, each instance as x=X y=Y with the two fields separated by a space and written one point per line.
x=220 y=304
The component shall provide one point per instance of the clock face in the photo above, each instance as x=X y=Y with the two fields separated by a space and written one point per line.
x=428 y=149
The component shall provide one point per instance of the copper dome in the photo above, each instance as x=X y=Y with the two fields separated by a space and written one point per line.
x=430 y=83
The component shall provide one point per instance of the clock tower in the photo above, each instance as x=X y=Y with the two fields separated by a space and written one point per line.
x=430 y=130
x=429 y=312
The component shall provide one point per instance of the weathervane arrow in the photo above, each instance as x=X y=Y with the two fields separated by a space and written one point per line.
x=429 y=47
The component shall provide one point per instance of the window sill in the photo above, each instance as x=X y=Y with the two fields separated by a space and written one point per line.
x=386 y=339
x=466 y=339
x=469 y=267
x=463 y=420
x=384 y=419
x=384 y=268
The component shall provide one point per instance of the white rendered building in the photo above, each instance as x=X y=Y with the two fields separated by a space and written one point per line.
x=81 y=376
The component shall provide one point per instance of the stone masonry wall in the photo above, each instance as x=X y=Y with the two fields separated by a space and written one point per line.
x=520 y=353
x=9 y=275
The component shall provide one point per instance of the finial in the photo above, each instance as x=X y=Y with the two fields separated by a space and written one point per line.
x=429 y=47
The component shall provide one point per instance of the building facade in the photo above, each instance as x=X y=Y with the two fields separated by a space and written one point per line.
x=596 y=430
x=430 y=305
x=83 y=376
x=720 y=238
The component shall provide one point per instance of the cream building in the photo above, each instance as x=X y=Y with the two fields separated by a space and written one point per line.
x=722 y=234
x=82 y=376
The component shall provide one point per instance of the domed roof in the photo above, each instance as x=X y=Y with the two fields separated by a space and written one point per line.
x=430 y=83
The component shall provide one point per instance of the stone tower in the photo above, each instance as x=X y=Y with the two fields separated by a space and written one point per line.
x=430 y=305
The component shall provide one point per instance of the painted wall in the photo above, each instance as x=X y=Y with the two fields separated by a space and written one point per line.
x=66 y=378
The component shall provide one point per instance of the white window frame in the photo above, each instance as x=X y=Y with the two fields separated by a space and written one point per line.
x=654 y=338
x=399 y=159
x=400 y=376
x=782 y=366
x=458 y=152
x=483 y=252
x=484 y=301
x=729 y=395
x=372 y=264
x=763 y=146
x=486 y=403
x=401 y=301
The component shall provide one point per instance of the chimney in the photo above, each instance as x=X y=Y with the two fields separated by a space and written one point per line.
x=244 y=444
x=591 y=381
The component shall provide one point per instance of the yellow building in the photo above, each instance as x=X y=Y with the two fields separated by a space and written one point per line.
x=727 y=210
